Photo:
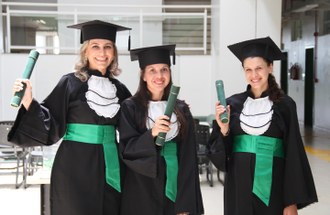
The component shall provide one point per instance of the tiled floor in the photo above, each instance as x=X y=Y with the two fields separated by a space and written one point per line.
x=27 y=201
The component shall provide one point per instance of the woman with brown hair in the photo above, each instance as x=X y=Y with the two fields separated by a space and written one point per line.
x=260 y=148
x=160 y=180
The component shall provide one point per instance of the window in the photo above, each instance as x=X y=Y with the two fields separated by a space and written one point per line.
x=326 y=23
x=48 y=42
x=296 y=30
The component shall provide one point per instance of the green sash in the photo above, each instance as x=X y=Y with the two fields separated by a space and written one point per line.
x=99 y=134
x=265 y=149
x=169 y=152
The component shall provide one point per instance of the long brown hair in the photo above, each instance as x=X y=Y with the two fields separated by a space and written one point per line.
x=275 y=92
x=143 y=96
x=81 y=66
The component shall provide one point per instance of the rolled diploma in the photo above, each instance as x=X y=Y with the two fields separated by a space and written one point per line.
x=222 y=99
x=31 y=61
x=160 y=140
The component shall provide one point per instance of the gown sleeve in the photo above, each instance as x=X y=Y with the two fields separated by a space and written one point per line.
x=220 y=147
x=299 y=185
x=42 y=124
x=217 y=150
x=137 y=147
x=189 y=198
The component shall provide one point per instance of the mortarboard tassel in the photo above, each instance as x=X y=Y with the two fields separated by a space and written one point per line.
x=129 y=41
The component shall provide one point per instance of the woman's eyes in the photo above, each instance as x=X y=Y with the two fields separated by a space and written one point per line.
x=154 y=71
x=165 y=69
x=98 y=47
x=256 y=69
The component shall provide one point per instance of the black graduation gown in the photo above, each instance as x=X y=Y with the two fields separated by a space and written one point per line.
x=78 y=183
x=144 y=185
x=292 y=180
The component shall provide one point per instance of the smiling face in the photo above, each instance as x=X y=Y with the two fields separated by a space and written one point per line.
x=257 y=71
x=157 y=77
x=100 y=53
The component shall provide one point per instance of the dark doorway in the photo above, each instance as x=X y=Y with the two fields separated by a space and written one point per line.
x=284 y=74
x=309 y=87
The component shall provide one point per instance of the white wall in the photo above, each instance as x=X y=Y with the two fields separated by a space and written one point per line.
x=191 y=73
x=47 y=71
x=232 y=21
x=235 y=21
x=322 y=88
x=296 y=54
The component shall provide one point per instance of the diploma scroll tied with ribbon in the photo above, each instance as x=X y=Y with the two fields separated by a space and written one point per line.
x=31 y=61
x=222 y=100
x=160 y=140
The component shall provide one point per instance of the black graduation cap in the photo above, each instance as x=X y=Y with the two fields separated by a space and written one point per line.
x=97 y=29
x=153 y=55
x=260 y=47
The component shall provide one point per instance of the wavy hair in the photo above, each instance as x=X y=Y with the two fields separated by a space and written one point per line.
x=275 y=92
x=82 y=65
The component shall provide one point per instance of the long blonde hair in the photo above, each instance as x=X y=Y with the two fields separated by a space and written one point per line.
x=81 y=66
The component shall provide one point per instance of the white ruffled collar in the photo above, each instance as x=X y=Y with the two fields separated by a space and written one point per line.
x=256 y=115
x=156 y=109
x=101 y=96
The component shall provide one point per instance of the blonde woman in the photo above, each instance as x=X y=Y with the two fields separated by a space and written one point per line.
x=83 y=109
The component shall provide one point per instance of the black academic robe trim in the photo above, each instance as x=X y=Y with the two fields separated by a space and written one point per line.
x=144 y=185
x=292 y=177
x=78 y=185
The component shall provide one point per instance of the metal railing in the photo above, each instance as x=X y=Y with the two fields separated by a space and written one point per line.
x=193 y=35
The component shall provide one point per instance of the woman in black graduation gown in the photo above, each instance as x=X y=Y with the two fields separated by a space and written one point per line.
x=159 y=180
x=83 y=109
x=261 y=147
